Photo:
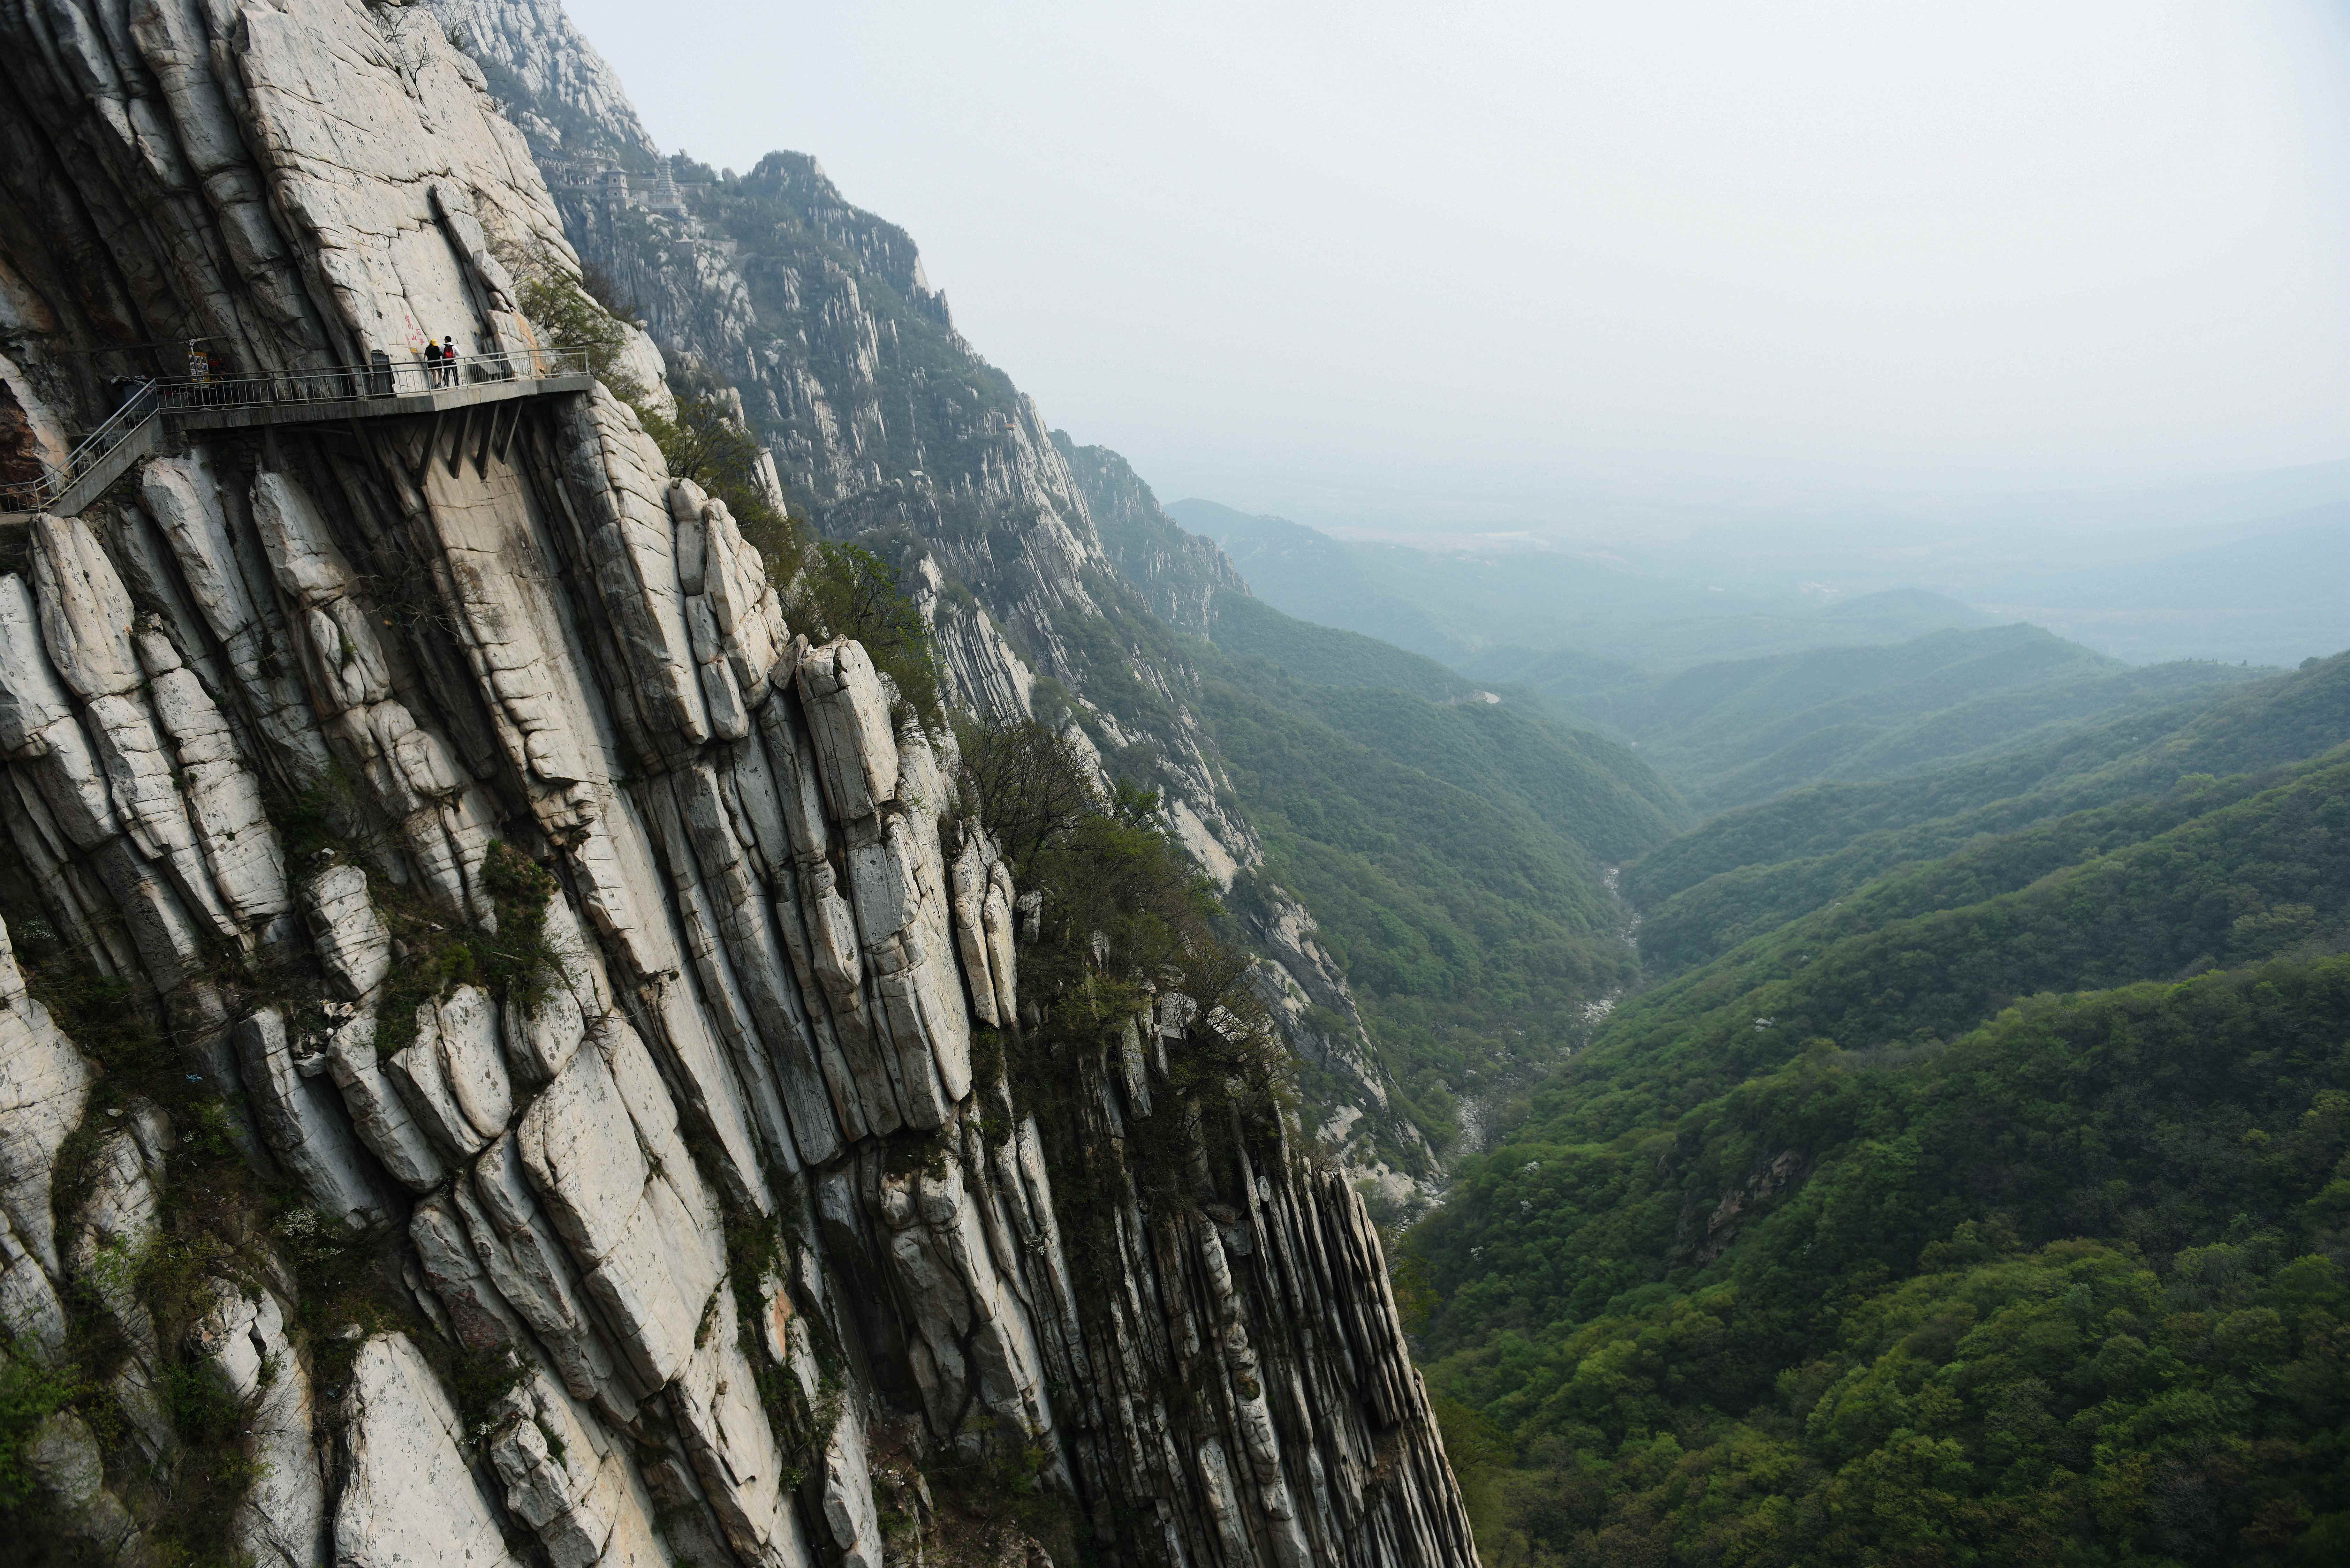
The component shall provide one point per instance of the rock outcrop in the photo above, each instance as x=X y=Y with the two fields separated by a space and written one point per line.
x=471 y=855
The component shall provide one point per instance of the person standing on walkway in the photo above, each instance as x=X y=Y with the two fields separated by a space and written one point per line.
x=449 y=361
x=431 y=363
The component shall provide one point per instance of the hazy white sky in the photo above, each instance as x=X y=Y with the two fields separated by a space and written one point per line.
x=1332 y=259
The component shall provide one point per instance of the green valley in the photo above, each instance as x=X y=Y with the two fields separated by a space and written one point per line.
x=1983 y=1197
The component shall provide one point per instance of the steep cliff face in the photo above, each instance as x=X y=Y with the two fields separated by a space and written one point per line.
x=882 y=420
x=1036 y=557
x=1177 y=572
x=517 y=1055
x=553 y=83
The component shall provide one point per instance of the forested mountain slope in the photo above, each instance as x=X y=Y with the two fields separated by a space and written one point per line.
x=1452 y=853
x=1846 y=703
x=1732 y=733
x=1995 y=1208
x=1449 y=845
x=1748 y=871
x=1450 y=848
x=1309 y=575
x=1931 y=950
x=2069 y=1289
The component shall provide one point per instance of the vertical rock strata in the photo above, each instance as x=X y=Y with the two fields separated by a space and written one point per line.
x=1036 y=556
x=645 y=998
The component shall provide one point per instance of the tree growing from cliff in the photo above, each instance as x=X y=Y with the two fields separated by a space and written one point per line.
x=849 y=591
x=1034 y=787
x=558 y=306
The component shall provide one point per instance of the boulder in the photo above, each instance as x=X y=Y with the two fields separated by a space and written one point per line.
x=455 y=1071
x=379 y=1110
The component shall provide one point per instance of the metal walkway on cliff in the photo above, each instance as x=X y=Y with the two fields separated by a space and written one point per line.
x=162 y=410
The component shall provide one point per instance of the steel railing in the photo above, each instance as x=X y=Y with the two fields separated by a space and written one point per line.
x=30 y=494
x=385 y=377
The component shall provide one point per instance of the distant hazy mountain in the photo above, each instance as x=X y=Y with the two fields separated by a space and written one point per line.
x=1463 y=608
x=1744 y=730
x=2278 y=595
x=1307 y=574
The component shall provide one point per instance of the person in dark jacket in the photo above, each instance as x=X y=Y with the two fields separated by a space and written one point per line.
x=431 y=363
x=449 y=361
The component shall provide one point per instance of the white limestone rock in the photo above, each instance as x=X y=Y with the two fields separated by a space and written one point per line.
x=974 y=1334
x=378 y=1111
x=973 y=863
x=541 y=1040
x=478 y=1313
x=848 y=720
x=455 y=1071
x=569 y=1484
x=568 y=1500
x=716 y=1399
x=472 y=1063
x=725 y=574
x=303 y=1120
x=139 y=771
x=730 y=717
x=223 y=798
x=298 y=542
x=32 y=698
x=1003 y=951
x=618 y=476
x=746 y=961
x=409 y=1497
x=43 y=1090
x=31 y=1314
x=281 y=1523
x=848 y=1509
x=185 y=500
x=356 y=186
x=524 y=1259
x=114 y=1226
x=509 y=625
x=352 y=941
x=86 y=612
x=601 y=1149
x=900 y=913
